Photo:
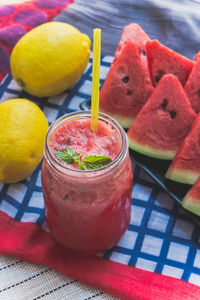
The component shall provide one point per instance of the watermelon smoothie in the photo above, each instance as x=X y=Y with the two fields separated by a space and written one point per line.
x=87 y=210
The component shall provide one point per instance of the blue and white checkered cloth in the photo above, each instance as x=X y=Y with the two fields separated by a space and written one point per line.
x=161 y=237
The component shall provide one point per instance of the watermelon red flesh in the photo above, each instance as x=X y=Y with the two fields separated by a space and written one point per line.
x=127 y=86
x=137 y=35
x=163 y=60
x=191 y=201
x=133 y=32
x=192 y=86
x=163 y=122
x=197 y=56
x=185 y=167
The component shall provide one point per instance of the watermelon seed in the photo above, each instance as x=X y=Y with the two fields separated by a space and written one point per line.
x=129 y=92
x=158 y=77
x=199 y=93
x=69 y=141
x=144 y=52
x=164 y=104
x=125 y=79
x=173 y=114
x=65 y=197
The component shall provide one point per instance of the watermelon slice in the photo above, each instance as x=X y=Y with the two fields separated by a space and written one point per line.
x=191 y=201
x=137 y=35
x=127 y=86
x=163 y=60
x=185 y=168
x=192 y=86
x=163 y=122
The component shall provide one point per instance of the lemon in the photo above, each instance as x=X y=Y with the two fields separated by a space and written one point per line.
x=50 y=58
x=23 y=128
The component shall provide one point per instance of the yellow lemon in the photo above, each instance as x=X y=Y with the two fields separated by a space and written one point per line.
x=50 y=58
x=23 y=128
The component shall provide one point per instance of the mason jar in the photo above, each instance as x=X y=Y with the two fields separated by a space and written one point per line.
x=87 y=210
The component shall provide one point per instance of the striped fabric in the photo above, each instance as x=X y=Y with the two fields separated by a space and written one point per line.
x=22 y=281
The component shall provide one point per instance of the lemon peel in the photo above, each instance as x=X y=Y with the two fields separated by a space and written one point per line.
x=50 y=58
x=23 y=128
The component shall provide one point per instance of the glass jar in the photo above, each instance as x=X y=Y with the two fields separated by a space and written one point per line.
x=87 y=211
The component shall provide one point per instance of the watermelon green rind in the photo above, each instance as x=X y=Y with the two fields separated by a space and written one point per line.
x=155 y=132
x=149 y=151
x=185 y=168
x=191 y=201
x=191 y=204
x=182 y=176
x=125 y=122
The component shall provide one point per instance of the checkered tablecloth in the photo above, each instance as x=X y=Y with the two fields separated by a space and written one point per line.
x=161 y=237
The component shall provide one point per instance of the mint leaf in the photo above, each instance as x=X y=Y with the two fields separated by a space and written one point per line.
x=96 y=162
x=64 y=156
x=70 y=151
x=81 y=166
x=93 y=166
x=68 y=155
x=97 y=159
x=89 y=162
x=76 y=157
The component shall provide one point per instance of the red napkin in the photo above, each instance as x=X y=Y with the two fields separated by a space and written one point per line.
x=29 y=242
x=16 y=20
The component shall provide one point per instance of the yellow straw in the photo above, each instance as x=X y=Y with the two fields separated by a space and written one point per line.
x=95 y=79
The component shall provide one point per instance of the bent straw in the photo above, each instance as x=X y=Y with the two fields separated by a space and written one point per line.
x=95 y=79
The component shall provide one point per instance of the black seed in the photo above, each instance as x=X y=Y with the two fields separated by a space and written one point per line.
x=173 y=114
x=69 y=142
x=158 y=77
x=125 y=79
x=199 y=93
x=20 y=82
x=164 y=104
x=144 y=52
x=129 y=92
x=65 y=197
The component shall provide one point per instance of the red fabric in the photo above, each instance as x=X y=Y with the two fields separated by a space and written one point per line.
x=16 y=20
x=29 y=242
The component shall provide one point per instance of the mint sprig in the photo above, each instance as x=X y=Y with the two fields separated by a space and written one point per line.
x=68 y=155
x=81 y=166
x=96 y=162
x=89 y=162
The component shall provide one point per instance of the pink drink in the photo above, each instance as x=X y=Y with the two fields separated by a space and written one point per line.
x=89 y=210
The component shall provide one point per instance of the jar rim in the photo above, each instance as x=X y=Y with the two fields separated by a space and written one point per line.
x=73 y=172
